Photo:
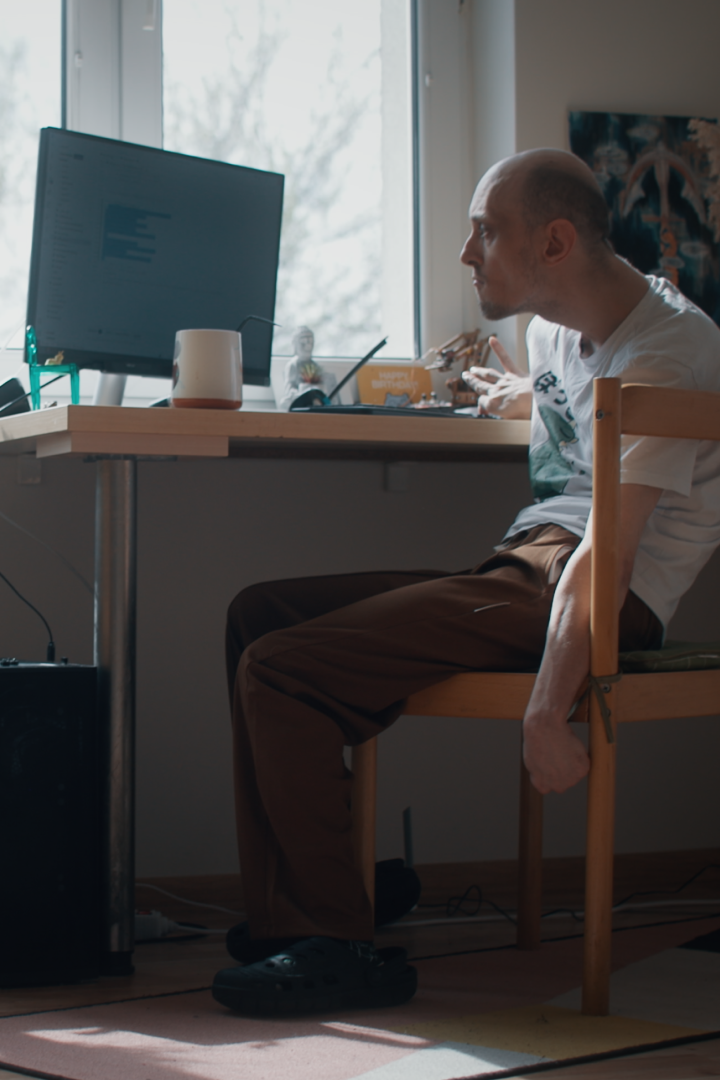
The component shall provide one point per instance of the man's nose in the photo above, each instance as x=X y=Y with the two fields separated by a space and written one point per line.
x=470 y=254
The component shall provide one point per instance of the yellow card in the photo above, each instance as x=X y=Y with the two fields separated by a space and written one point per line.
x=392 y=384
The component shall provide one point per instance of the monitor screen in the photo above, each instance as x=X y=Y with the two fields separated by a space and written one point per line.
x=131 y=244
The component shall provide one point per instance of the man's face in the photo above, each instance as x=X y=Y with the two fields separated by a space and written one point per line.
x=499 y=251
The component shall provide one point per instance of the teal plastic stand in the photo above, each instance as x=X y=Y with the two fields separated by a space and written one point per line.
x=37 y=370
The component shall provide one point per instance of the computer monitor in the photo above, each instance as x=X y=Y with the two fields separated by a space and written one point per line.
x=131 y=244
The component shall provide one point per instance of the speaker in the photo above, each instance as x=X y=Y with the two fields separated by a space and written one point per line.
x=51 y=809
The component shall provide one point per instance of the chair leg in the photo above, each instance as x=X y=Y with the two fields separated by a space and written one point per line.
x=529 y=863
x=364 y=767
x=599 y=873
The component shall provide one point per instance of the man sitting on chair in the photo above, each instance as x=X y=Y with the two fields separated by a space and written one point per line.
x=317 y=664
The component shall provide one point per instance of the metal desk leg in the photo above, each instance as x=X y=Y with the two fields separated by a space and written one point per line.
x=115 y=561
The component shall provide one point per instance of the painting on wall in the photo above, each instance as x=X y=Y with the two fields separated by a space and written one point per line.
x=660 y=176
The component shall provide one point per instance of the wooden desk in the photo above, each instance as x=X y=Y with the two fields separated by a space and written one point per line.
x=114 y=438
x=89 y=430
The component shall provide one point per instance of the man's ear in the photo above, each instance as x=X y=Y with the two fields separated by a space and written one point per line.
x=560 y=240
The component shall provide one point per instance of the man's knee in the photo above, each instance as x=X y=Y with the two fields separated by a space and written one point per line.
x=239 y=604
x=249 y=615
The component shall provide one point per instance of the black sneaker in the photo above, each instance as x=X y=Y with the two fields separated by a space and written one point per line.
x=318 y=974
x=247 y=950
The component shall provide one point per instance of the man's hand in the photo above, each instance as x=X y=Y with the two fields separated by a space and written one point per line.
x=554 y=756
x=508 y=395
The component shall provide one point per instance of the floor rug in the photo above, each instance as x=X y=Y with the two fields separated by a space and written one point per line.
x=480 y=1014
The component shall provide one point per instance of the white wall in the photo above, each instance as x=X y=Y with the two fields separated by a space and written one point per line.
x=209 y=528
x=654 y=56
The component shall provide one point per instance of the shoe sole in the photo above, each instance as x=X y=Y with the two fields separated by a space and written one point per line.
x=254 y=1003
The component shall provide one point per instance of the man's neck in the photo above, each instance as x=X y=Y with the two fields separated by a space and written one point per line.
x=598 y=301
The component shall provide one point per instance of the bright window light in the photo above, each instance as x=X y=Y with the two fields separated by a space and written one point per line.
x=319 y=91
x=30 y=98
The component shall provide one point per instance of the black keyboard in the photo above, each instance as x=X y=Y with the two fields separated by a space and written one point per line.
x=386 y=410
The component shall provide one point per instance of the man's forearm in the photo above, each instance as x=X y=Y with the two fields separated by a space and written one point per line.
x=566 y=660
x=554 y=756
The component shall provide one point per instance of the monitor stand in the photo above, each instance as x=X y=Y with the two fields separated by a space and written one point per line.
x=110 y=389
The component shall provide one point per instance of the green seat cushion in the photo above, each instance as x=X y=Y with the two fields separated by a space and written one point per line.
x=674 y=656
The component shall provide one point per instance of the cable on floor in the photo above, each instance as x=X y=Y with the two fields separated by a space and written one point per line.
x=456 y=906
x=184 y=899
x=670 y=892
x=567 y=937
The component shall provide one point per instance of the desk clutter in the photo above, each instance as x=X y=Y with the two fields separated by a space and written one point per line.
x=390 y=388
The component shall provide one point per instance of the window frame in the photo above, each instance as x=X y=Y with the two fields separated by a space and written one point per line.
x=112 y=69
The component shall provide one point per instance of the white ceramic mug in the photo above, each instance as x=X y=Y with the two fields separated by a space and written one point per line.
x=207 y=370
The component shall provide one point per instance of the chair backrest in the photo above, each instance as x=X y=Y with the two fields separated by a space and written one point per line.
x=629 y=410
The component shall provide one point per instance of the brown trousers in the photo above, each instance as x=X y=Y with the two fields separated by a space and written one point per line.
x=315 y=664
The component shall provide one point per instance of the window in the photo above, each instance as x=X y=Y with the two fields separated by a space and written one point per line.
x=321 y=93
x=30 y=98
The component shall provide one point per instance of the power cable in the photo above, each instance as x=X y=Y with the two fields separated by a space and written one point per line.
x=456 y=907
x=184 y=899
x=565 y=937
x=50 y=651
x=668 y=892
x=50 y=548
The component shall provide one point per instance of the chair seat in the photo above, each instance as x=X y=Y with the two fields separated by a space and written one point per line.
x=682 y=679
x=505 y=695
x=502 y=695
x=674 y=656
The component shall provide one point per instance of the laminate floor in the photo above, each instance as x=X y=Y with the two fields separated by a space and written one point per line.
x=679 y=1063
x=180 y=965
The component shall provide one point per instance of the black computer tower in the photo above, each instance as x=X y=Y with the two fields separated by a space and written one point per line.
x=50 y=824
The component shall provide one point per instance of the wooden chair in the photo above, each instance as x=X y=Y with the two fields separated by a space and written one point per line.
x=654 y=690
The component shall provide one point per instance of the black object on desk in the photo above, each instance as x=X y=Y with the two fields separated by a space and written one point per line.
x=384 y=410
x=315 y=396
x=13 y=397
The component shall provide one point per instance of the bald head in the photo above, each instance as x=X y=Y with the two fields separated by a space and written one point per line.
x=545 y=185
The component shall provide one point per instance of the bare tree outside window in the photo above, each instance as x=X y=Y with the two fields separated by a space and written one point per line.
x=29 y=100
x=294 y=87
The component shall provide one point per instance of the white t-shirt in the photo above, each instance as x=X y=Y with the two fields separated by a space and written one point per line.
x=664 y=341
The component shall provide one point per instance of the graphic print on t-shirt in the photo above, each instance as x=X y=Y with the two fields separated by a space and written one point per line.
x=550 y=470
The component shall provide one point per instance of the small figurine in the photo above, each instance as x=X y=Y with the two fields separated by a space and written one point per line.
x=472 y=350
x=302 y=372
